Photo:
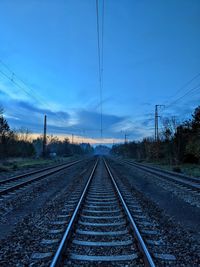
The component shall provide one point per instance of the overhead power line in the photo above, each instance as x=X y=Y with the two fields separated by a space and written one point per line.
x=31 y=95
x=192 y=90
x=186 y=84
x=12 y=77
x=102 y=43
x=15 y=83
x=98 y=39
x=181 y=88
x=189 y=92
x=100 y=58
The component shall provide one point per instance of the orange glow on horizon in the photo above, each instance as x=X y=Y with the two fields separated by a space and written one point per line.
x=81 y=139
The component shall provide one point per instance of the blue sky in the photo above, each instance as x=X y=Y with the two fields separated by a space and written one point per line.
x=151 y=49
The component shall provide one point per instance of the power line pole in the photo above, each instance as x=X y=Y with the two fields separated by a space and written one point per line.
x=45 y=136
x=72 y=138
x=125 y=138
x=156 y=122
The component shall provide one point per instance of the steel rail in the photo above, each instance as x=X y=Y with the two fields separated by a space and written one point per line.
x=17 y=177
x=37 y=178
x=164 y=174
x=65 y=239
x=176 y=174
x=147 y=257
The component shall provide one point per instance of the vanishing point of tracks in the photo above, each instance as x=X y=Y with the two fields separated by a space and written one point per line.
x=19 y=182
x=101 y=230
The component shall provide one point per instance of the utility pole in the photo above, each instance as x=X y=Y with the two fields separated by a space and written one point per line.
x=83 y=133
x=156 y=130
x=125 y=138
x=44 y=136
x=156 y=122
x=72 y=138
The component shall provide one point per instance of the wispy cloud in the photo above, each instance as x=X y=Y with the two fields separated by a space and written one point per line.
x=91 y=119
x=84 y=122
x=29 y=115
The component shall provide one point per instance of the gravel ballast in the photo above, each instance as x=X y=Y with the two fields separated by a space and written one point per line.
x=27 y=222
x=167 y=211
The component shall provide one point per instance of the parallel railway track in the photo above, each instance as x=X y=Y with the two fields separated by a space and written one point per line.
x=188 y=182
x=17 y=182
x=101 y=229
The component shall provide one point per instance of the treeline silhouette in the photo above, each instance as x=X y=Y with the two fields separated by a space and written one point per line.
x=177 y=143
x=19 y=143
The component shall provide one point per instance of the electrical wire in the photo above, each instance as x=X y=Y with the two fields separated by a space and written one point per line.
x=34 y=94
x=102 y=63
x=186 y=94
x=180 y=89
x=186 y=84
x=100 y=59
x=98 y=40
x=102 y=43
x=12 y=78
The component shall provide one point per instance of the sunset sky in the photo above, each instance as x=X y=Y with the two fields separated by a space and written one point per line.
x=49 y=65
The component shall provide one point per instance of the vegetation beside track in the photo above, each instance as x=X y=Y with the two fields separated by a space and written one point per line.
x=19 y=149
x=177 y=148
x=185 y=168
x=26 y=163
x=188 y=169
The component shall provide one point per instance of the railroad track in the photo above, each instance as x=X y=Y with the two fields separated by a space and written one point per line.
x=102 y=231
x=19 y=182
x=185 y=181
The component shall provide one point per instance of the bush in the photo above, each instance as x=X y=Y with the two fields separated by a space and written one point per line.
x=3 y=168
x=176 y=169
x=190 y=158
x=140 y=160
x=15 y=167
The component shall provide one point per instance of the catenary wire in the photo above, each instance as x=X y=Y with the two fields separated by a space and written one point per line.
x=11 y=79
x=100 y=56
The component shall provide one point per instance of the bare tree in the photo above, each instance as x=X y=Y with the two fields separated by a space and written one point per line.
x=23 y=134
x=170 y=126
